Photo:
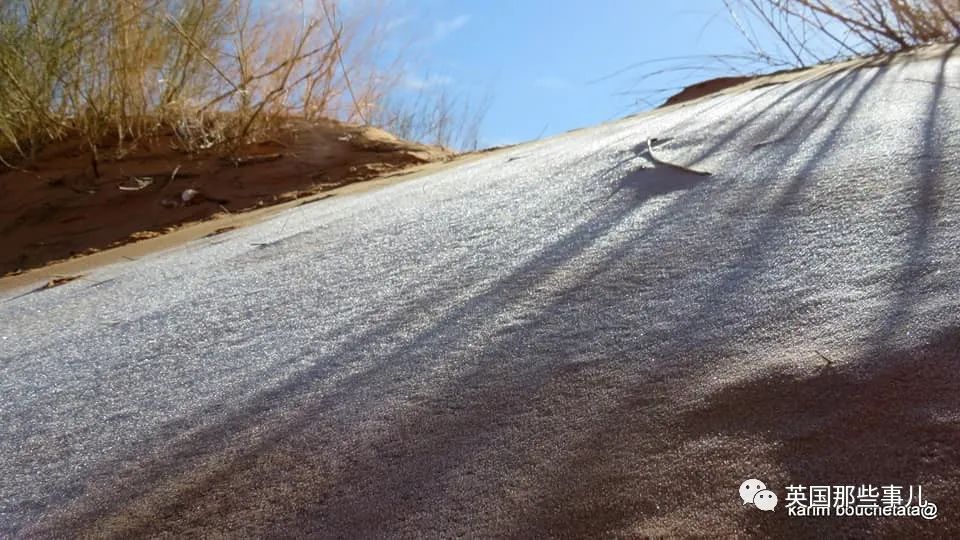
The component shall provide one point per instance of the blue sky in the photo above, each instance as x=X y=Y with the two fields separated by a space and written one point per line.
x=538 y=61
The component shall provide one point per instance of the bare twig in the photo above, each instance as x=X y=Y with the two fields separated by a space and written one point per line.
x=328 y=16
x=660 y=162
x=826 y=360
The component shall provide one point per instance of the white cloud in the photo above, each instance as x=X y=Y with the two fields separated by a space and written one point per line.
x=444 y=28
x=414 y=82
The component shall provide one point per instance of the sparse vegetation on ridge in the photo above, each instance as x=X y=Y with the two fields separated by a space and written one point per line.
x=799 y=33
x=789 y=34
x=210 y=73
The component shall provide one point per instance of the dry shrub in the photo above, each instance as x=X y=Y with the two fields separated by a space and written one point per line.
x=440 y=118
x=784 y=34
x=214 y=73
x=804 y=32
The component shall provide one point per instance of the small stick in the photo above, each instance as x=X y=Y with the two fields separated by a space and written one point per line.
x=932 y=82
x=659 y=161
x=828 y=361
x=173 y=176
x=142 y=183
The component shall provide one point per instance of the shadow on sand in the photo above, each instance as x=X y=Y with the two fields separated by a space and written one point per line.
x=562 y=442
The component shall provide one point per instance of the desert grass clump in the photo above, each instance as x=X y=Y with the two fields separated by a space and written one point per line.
x=804 y=32
x=213 y=73
x=440 y=118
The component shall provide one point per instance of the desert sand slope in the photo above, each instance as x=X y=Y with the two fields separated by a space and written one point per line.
x=566 y=338
x=64 y=205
